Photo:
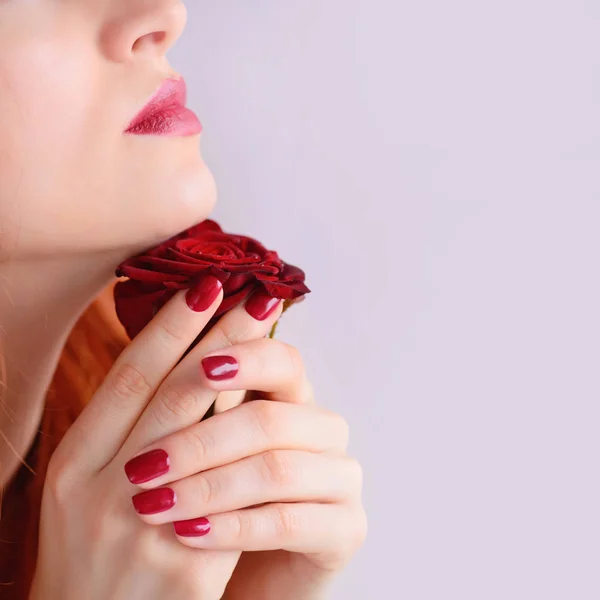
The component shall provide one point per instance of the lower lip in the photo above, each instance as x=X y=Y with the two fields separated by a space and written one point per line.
x=174 y=120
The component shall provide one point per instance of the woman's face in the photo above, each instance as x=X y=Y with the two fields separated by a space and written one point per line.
x=73 y=74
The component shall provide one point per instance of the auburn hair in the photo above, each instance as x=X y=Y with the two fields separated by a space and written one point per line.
x=89 y=353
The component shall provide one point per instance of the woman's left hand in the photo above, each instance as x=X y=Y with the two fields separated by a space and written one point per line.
x=269 y=478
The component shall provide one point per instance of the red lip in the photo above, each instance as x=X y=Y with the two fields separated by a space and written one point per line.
x=166 y=114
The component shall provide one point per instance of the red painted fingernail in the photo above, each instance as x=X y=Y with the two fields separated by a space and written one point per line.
x=192 y=528
x=261 y=306
x=154 y=501
x=148 y=466
x=220 y=368
x=204 y=293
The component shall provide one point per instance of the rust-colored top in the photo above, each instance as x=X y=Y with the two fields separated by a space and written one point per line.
x=93 y=346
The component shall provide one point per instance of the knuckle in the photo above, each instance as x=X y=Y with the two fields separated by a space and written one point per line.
x=356 y=475
x=360 y=529
x=266 y=417
x=171 y=330
x=337 y=428
x=309 y=391
x=198 y=445
x=240 y=525
x=287 y=521
x=59 y=480
x=295 y=362
x=229 y=334
x=277 y=468
x=127 y=382
x=207 y=491
x=104 y=525
x=175 y=402
x=342 y=427
x=146 y=551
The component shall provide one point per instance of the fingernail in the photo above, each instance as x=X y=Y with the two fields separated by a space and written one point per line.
x=261 y=306
x=203 y=294
x=192 y=528
x=148 y=466
x=154 y=501
x=220 y=368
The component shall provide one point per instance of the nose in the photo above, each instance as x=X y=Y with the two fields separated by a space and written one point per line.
x=142 y=28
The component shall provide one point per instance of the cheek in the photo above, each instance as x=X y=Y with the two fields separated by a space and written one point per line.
x=69 y=178
x=42 y=108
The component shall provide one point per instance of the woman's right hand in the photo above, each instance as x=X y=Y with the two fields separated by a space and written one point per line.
x=92 y=543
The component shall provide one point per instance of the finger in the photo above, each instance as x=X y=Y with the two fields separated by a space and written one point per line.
x=301 y=527
x=183 y=398
x=228 y=400
x=270 y=366
x=243 y=431
x=108 y=418
x=275 y=476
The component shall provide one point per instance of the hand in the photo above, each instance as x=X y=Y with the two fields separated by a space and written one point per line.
x=269 y=478
x=92 y=543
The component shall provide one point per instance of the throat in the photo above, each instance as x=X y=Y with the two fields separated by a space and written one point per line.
x=20 y=424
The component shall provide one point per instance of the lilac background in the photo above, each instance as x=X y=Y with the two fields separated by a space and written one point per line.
x=434 y=167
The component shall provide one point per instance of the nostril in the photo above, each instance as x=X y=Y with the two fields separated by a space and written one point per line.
x=155 y=38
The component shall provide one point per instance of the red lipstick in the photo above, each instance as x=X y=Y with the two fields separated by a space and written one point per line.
x=165 y=113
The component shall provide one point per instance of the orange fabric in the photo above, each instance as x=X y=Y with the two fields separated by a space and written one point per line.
x=94 y=344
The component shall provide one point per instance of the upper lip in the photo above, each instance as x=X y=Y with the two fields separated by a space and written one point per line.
x=172 y=92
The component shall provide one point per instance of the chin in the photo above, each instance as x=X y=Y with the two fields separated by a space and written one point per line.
x=186 y=200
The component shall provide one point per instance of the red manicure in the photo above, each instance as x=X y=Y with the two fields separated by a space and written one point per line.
x=220 y=368
x=154 y=501
x=147 y=466
x=204 y=293
x=261 y=306
x=192 y=528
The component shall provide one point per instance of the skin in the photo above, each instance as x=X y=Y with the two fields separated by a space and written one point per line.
x=77 y=196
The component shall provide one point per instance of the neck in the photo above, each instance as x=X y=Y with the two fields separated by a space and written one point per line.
x=40 y=302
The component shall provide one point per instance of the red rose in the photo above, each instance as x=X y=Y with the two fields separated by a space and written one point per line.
x=242 y=264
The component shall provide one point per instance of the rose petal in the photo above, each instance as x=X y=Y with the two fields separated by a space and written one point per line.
x=241 y=263
x=149 y=276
